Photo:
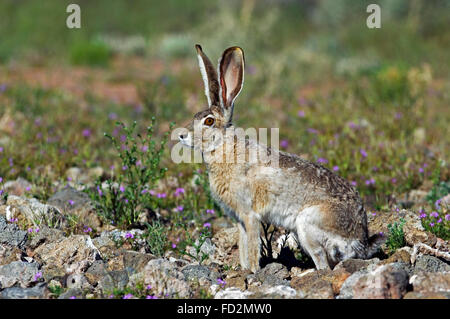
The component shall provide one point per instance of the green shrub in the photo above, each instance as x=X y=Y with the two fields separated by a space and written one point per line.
x=156 y=238
x=127 y=194
x=94 y=53
x=396 y=238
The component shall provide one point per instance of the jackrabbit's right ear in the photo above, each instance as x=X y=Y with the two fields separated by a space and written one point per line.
x=209 y=76
x=231 y=78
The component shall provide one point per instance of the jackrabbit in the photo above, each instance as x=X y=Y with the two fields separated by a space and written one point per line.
x=321 y=209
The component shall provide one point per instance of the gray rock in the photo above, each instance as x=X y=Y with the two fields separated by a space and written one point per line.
x=18 y=272
x=164 y=278
x=97 y=268
x=77 y=281
x=10 y=234
x=232 y=293
x=386 y=281
x=277 y=292
x=8 y=254
x=36 y=212
x=17 y=187
x=353 y=265
x=37 y=292
x=135 y=260
x=196 y=272
x=273 y=274
x=431 y=282
x=114 y=279
x=46 y=235
x=430 y=264
x=346 y=291
x=71 y=201
x=73 y=254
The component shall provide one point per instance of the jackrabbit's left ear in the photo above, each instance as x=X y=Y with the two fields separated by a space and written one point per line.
x=231 y=77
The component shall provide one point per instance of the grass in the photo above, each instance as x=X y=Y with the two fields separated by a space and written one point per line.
x=370 y=104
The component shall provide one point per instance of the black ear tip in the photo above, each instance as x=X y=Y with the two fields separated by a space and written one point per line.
x=198 y=47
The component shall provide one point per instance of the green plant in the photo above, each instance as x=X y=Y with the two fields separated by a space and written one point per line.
x=396 y=237
x=93 y=53
x=56 y=290
x=438 y=191
x=198 y=254
x=156 y=238
x=126 y=195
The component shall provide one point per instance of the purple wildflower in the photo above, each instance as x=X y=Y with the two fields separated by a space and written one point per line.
x=71 y=202
x=335 y=168
x=207 y=225
x=128 y=296
x=437 y=204
x=87 y=229
x=363 y=153
x=210 y=211
x=221 y=282
x=301 y=113
x=129 y=235
x=37 y=276
x=322 y=160
x=284 y=143
x=179 y=191
x=86 y=132
x=434 y=214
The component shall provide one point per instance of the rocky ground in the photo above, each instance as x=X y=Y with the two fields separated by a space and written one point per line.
x=47 y=262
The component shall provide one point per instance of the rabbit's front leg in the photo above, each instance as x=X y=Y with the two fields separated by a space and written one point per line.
x=250 y=243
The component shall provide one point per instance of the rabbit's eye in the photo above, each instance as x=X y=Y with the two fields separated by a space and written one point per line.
x=209 y=121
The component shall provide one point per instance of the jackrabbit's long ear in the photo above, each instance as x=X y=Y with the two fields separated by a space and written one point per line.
x=231 y=77
x=209 y=76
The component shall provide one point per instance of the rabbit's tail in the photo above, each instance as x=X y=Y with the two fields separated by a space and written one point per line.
x=375 y=241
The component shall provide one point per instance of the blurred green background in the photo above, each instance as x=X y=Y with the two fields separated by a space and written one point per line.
x=332 y=33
